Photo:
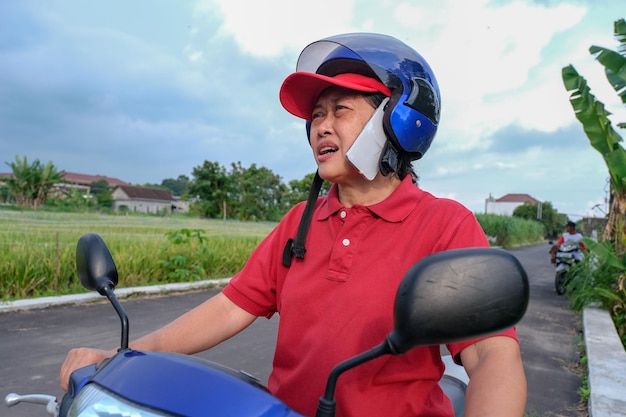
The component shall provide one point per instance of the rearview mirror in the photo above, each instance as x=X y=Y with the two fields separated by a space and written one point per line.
x=94 y=264
x=97 y=272
x=458 y=294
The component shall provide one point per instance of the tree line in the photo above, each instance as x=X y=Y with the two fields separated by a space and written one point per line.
x=552 y=221
x=243 y=193
x=251 y=193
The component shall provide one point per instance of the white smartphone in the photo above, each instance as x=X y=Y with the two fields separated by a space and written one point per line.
x=365 y=152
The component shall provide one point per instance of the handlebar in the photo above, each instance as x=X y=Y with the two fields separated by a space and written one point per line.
x=48 y=400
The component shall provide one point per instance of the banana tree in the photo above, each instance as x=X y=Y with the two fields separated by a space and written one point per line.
x=599 y=130
x=31 y=183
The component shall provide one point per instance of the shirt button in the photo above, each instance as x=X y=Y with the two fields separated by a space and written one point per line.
x=343 y=214
x=346 y=242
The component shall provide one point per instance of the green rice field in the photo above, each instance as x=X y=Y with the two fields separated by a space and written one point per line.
x=37 y=249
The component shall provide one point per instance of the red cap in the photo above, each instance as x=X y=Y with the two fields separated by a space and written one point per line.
x=301 y=90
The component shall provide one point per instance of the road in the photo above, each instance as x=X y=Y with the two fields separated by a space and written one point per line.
x=549 y=338
x=34 y=343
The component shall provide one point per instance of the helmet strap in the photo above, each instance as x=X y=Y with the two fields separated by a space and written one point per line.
x=296 y=247
x=388 y=159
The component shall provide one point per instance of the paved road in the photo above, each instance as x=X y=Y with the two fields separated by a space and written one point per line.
x=549 y=337
x=34 y=343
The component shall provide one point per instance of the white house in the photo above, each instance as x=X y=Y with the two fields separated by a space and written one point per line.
x=142 y=200
x=506 y=204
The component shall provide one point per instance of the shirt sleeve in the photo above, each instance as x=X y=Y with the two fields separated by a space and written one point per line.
x=455 y=349
x=255 y=287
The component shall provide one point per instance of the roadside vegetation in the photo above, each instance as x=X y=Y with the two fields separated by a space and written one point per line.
x=511 y=231
x=37 y=247
x=601 y=279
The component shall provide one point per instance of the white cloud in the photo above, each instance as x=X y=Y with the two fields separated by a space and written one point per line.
x=268 y=28
x=496 y=71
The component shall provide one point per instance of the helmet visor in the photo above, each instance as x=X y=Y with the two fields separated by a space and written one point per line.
x=393 y=62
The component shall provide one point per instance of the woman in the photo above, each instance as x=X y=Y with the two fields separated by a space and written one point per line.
x=335 y=296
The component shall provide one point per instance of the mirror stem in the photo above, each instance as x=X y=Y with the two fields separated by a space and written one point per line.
x=326 y=406
x=108 y=291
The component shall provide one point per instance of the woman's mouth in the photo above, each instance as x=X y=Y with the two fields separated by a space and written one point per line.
x=327 y=149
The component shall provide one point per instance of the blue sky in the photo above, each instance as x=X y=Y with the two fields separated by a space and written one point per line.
x=147 y=90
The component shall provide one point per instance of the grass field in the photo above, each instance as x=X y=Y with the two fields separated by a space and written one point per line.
x=37 y=249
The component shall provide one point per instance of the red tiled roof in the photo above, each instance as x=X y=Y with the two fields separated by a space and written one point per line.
x=517 y=198
x=86 y=179
x=80 y=179
x=146 y=193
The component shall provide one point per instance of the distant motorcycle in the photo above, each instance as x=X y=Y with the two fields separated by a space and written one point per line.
x=446 y=297
x=567 y=254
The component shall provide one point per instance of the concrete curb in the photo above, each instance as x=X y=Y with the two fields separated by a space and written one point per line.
x=44 y=302
x=606 y=364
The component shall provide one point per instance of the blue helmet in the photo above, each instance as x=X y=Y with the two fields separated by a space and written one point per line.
x=412 y=115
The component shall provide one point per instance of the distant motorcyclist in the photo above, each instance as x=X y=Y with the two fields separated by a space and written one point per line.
x=570 y=235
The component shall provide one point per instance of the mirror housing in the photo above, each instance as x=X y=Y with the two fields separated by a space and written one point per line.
x=97 y=272
x=94 y=264
x=458 y=294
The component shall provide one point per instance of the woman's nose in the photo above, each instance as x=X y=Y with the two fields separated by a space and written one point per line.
x=324 y=125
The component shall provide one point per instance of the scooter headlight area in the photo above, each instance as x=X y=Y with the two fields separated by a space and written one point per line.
x=94 y=401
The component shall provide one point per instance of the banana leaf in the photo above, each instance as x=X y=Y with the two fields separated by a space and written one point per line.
x=616 y=162
x=604 y=253
x=615 y=69
x=614 y=62
x=596 y=124
x=590 y=112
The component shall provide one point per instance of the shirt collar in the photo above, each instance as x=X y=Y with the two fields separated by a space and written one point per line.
x=394 y=208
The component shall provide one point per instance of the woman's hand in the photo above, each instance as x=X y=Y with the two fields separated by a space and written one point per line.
x=218 y=318
x=78 y=358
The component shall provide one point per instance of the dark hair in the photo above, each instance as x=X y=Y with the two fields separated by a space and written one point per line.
x=405 y=167
x=405 y=159
x=374 y=98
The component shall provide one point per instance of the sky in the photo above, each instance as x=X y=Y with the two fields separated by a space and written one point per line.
x=147 y=90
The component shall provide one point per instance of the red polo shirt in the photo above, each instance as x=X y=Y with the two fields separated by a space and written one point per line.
x=338 y=301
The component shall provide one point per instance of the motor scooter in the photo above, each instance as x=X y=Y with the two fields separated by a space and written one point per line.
x=567 y=254
x=445 y=297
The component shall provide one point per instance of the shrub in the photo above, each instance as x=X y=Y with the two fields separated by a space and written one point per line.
x=507 y=231
x=600 y=279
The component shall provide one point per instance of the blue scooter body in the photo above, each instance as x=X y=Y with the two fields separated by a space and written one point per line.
x=180 y=385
